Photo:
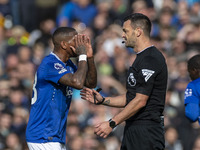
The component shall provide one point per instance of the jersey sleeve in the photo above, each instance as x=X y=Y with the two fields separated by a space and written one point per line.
x=190 y=95
x=147 y=73
x=74 y=67
x=192 y=111
x=191 y=103
x=55 y=70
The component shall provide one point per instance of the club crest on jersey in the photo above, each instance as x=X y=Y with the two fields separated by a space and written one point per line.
x=131 y=80
x=69 y=91
x=147 y=74
x=59 y=67
x=188 y=92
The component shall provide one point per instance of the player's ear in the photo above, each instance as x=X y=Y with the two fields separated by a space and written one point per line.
x=197 y=71
x=63 y=44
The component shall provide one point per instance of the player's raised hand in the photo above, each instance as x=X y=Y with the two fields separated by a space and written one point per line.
x=80 y=42
x=91 y=95
x=89 y=47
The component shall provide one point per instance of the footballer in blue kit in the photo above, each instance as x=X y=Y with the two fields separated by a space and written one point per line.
x=48 y=117
x=192 y=92
x=53 y=87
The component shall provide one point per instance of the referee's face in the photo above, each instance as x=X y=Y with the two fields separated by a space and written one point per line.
x=129 y=34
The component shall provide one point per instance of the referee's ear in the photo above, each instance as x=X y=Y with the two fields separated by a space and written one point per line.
x=139 y=32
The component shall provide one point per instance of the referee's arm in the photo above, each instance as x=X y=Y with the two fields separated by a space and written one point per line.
x=88 y=95
x=118 y=101
x=132 y=108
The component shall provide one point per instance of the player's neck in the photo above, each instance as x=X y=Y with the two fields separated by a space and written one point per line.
x=62 y=56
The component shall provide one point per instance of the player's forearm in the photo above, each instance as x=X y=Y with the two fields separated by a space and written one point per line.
x=91 y=78
x=80 y=75
x=131 y=109
x=118 y=101
x=77 y=79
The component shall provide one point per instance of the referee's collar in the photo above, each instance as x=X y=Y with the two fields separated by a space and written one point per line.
x=144 y=49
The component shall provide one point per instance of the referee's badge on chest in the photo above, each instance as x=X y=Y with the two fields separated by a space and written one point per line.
x=131 y=80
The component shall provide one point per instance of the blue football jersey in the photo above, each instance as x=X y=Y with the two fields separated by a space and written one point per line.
x=192 y=100
x=50 y=102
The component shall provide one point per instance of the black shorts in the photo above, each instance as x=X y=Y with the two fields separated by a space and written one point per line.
x=143 y=136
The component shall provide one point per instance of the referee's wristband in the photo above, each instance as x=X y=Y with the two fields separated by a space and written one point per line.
x=82 y=57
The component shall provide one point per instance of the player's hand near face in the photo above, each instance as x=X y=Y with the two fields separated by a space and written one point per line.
x=102 y=129
x=80 y=44
x=89 y=47
x=88 y=95
x=77 y=79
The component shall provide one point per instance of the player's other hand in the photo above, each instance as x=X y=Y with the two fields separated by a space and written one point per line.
x=88 y=95
x=102 y=129
x=89 y=47
x=80 y=44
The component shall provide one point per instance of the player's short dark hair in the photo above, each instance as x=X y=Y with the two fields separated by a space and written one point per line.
x=62 y=33
x=194 y=62
x=140 y=20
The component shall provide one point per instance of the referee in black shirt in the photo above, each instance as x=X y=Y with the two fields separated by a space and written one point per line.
x=146 y=85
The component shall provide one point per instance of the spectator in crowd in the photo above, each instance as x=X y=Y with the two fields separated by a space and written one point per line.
x=172 y=139
x=81 y=10
x=196 y=145
x=13 y=142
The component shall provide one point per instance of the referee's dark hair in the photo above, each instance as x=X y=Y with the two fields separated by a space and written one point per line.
x=194 y=62
x=140 y=20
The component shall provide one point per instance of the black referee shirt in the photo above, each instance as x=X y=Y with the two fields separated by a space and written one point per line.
x=148 y=76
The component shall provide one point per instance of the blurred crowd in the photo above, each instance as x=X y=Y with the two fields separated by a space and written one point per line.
x=26 y=27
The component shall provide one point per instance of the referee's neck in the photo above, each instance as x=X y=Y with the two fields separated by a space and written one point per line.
x=144 y=49
x=142 y=44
